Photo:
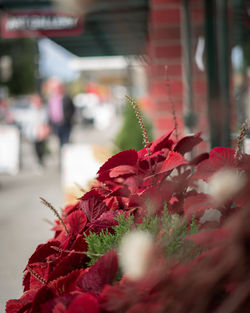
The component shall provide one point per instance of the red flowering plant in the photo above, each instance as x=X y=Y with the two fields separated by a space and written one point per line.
x=145 y=238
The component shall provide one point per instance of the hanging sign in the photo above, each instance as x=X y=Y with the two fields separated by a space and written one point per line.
x=40 y=23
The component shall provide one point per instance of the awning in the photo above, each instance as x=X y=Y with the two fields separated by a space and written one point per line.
x=111 y=27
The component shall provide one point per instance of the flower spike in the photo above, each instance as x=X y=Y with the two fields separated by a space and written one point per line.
x=238 y=150
x=138 y=115
x=66 y=250
x=172 y=103
x=50 y=206
x=80 y=188
x=38 y=277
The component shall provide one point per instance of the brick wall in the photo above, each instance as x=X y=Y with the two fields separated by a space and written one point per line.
x=199 y=84
x=166 y=48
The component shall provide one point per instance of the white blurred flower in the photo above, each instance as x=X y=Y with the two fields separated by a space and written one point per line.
x=202 y=186
x=135 y=254
x=226 y=183
x=211 y=215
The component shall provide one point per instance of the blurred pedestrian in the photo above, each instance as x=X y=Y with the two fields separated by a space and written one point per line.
x=61 y=111
x=38 y=128
x=3 y=109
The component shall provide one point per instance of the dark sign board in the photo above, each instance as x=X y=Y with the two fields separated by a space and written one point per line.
x=39 y=23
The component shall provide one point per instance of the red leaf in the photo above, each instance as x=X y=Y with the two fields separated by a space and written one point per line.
x=128 y=157
x=101 y=273
x=162 y=142
x=134 y=183
x=79 y=244
x=123 y=170
x=65 y=284
x=85 y=303
x=31 y=282
x=112 y=203
x=93 y=205
x=173 y=160
x=186 y=144
x=141 y=153
x=197 y=204
x=114 y=297
x=135 y=201
x=106 y=220
x=210 y=238
x=43 y=295
x=77 y=222
x=43 y=251
x=69 y=209
x=90 y=194
x=219 y=158
x=199 y=158
x=155 y=196
x=67 y=264
x=59 y=308
x=119 y=191
x=14 y=306
x=59 y=304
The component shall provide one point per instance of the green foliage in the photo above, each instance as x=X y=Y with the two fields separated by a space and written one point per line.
x=172 y=226
x=150 y=224
x=173 y=239
x=130 y=135
x=23 y=52
x=99 y=244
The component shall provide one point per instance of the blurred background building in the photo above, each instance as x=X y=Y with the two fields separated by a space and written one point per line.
x=204 y=44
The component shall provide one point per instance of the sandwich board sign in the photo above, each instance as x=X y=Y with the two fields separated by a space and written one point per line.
x=80 y=163
x=9 y=149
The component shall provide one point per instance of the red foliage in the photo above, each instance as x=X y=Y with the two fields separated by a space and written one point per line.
x=101 y=273
x=216 y=281
x=57 y=278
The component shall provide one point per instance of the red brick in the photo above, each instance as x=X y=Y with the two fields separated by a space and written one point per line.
x=159 y=88
x=176 y=87
x=200 y=87
x=170 y=16
x=167 y=52
x=165 y=105
x=167 y=123
x=159 y=71
x=165 y=34
x=197 y=15
x=202 y=123
x=159 y=133
x=174 y=70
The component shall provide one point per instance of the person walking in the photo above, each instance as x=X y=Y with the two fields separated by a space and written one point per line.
x=38 y=128
x=61 y=112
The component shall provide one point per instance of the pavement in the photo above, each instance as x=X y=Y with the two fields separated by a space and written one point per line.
x=23 y=218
